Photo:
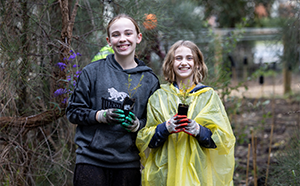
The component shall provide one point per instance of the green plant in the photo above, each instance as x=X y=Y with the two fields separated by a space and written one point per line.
x=286 y=171
x=132 y=91
x=184 y=94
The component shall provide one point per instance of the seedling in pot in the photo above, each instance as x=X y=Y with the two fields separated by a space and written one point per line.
x=129 y=100
x=128 y=105
x=183 y=107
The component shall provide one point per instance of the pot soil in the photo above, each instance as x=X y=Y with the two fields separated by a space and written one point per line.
x=182 y=109
x=128 y=105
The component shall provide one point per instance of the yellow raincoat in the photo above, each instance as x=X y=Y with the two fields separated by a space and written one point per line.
x=181 y=161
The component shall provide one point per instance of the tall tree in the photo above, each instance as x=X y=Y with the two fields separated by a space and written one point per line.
x=28 y=43
x=291 y=42
x=229 y=13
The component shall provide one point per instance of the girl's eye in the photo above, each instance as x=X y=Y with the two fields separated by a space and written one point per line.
x=115 y=35
x=189 y=58
x=128 y=34
x=178 y=58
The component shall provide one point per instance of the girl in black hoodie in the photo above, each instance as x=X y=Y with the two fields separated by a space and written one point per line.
x=105 y=135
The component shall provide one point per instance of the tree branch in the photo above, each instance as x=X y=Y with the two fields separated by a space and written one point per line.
x=33 y=121
x=49 y=116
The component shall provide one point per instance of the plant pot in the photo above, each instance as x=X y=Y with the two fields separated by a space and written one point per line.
x=182 y=109
x=127 y=105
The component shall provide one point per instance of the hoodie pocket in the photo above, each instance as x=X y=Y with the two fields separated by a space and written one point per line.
x=111 y=141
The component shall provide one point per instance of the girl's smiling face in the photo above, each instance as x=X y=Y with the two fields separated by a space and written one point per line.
x=183 y=65
x=123 y=37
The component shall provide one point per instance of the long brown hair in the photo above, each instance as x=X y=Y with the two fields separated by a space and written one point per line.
x=200 y=68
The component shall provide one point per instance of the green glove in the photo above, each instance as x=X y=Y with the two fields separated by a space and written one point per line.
x=131 y=123
x=111 y=116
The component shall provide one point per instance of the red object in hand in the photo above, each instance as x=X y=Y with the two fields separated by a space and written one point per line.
x=181 y=122
x=192 y=128
x=173 y=126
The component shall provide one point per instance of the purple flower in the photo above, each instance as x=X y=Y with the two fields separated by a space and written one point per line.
x=72 y=56
x=78 y=72
x=65 y=100
x=61 y=65
x=59 y=92
x=74 y=66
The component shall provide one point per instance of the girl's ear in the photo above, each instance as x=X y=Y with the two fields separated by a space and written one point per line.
x=108 y=41
x=139 y=38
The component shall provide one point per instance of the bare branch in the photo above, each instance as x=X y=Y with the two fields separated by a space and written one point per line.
x=34 y=121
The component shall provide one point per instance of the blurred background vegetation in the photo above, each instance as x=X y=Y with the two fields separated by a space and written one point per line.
x=45 y=43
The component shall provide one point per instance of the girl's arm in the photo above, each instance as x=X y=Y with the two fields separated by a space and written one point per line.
x=204 y=138
x=78 y=110
x=160 y=136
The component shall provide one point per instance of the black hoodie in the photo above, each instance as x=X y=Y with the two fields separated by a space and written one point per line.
x=101 y=85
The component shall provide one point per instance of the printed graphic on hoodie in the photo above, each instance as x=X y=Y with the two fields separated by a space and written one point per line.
x=114 y=96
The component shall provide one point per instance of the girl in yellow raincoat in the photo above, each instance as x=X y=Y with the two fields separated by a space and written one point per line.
x=196 y=148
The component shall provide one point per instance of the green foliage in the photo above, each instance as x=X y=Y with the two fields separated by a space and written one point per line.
x=287 y=169
x=268 y=22
x=293 y=96
x=45 y=155
x=290 y=36
x=230 y=12
x=263 y=71
x=133 y=90
x=222 y=73
x=183 y=96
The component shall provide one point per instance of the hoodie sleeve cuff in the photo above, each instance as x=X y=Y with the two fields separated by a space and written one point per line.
x=204 y=138
x=92 y=117
x=160 y=136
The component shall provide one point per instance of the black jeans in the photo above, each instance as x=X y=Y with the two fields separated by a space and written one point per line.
x=90 y=175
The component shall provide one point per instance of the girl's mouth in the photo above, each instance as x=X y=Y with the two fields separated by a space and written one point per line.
x=184 y=68
x=123 y=47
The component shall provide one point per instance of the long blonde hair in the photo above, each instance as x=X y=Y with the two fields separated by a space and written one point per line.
x=199 y=73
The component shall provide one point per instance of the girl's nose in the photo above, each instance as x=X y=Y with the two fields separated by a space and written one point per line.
x=122 y=37
x=184 y=62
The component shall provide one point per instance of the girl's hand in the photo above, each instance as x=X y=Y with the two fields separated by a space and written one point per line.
x=192 y=128
x=131 y=123
x=110 y=116
x=173 y=124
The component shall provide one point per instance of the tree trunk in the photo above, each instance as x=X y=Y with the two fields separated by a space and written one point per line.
x=218 y=52
x=286 y=71
x=66 y=36
x=22 y=81
x=287 y=79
